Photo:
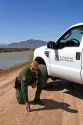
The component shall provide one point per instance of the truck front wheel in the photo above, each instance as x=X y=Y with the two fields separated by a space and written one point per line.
x=43 y=70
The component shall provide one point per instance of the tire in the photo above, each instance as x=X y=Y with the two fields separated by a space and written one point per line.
x=43 y=70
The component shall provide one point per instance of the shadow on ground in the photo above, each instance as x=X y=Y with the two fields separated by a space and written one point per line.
x=50 y=104
x=71 y=88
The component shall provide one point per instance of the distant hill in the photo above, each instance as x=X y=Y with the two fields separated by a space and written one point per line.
x=3 y=45
x=26 y=44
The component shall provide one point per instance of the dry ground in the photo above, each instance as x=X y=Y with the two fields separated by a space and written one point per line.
x=63 y=104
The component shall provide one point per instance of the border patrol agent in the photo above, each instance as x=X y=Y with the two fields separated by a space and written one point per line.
x=30 y=75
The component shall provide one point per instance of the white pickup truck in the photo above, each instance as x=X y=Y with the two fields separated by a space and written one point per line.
x=64 y=57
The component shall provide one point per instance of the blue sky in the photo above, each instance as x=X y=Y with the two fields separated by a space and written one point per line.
x=37 y=19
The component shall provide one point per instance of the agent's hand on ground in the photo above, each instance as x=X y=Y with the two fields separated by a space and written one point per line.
x=27 y=107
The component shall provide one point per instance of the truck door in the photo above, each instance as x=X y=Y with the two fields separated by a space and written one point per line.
x=65 y=62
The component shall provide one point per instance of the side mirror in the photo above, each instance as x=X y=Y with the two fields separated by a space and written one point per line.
x=51 y=45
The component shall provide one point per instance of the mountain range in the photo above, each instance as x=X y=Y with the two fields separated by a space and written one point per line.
x=25 y=44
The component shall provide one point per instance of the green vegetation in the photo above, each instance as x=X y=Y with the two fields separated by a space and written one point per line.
x=14 y=49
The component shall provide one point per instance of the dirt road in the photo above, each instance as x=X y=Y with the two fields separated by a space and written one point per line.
x=63 y=104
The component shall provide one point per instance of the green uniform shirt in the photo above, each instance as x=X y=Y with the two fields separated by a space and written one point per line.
x=25 y=78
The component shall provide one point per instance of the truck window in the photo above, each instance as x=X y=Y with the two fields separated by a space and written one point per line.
x=72 y=38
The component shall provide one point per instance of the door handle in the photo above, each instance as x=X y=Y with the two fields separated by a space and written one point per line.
x=77 y=55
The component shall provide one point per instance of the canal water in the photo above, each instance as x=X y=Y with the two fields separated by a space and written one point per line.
x=8 y=59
